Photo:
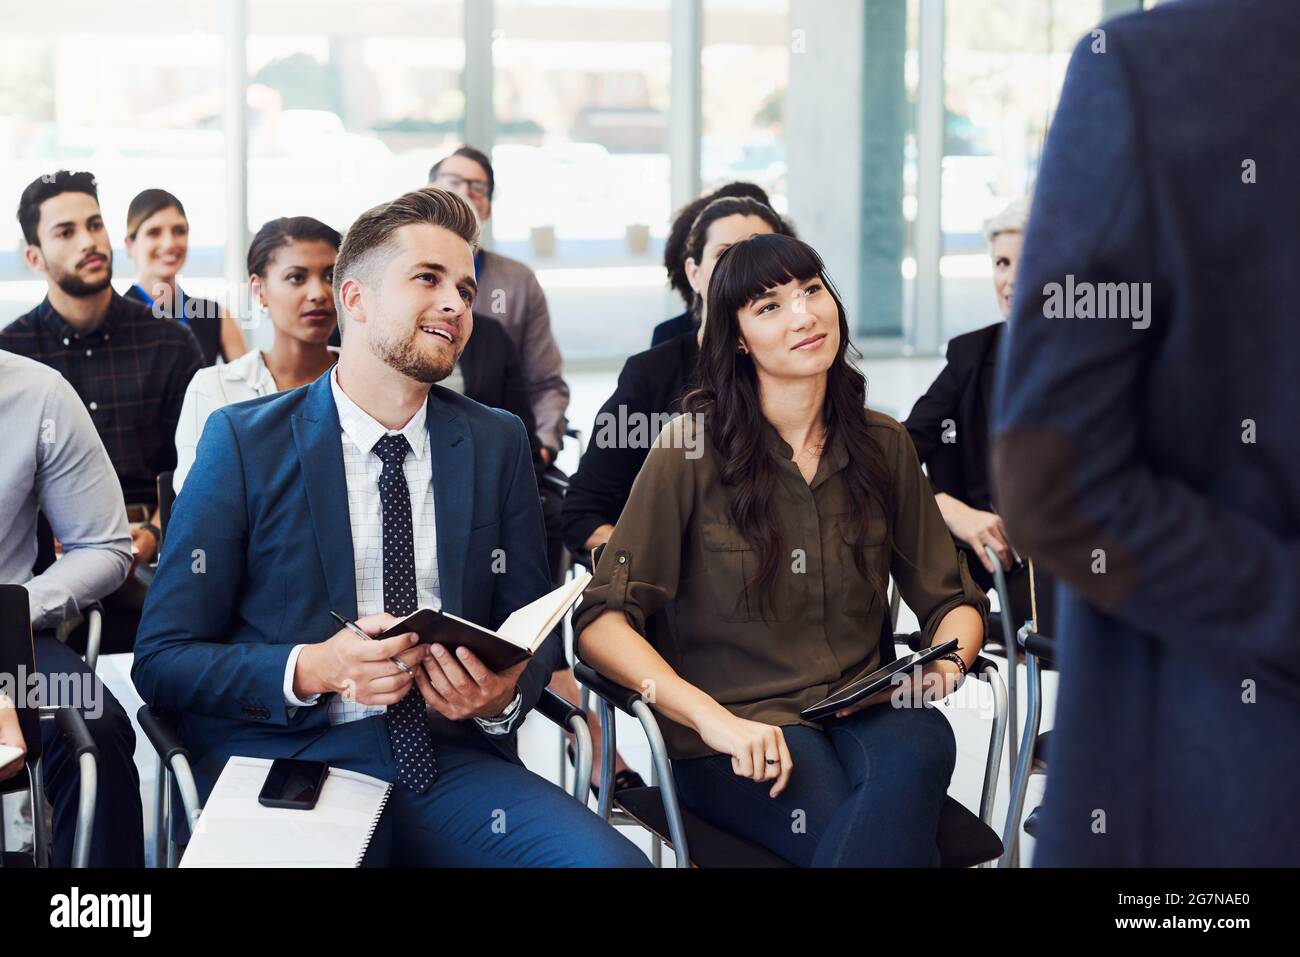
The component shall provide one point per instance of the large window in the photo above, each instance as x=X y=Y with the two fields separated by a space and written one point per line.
x=1004 y=63
x=132 y=94
x=349 y=104
x=582 y=100
x=746 y=69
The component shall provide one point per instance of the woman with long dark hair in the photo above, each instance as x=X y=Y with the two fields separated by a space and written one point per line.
x=650 y=389
x=746 y=580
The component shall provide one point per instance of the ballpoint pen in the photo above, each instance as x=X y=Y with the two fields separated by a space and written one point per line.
x=353 y=627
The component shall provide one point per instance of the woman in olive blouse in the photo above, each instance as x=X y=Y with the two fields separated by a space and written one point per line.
x=746 y=580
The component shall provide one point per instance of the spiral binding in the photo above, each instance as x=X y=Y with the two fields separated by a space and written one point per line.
x=374 y=824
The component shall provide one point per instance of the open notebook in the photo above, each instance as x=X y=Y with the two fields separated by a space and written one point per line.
x=234 y=830
x=519 y=636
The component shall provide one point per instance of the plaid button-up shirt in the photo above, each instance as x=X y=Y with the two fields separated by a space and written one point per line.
x=131 y=372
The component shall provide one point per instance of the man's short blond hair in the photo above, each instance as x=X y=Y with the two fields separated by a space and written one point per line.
x=368 y=242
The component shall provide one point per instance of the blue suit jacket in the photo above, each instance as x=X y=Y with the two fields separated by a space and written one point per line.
x=259 y=550
x=1168 y=452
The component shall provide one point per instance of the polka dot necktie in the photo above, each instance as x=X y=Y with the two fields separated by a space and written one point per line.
x=407 y=727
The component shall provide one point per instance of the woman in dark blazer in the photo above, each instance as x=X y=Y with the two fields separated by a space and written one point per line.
x=949 y=425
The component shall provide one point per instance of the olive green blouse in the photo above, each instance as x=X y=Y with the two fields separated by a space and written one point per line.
x=676 y=566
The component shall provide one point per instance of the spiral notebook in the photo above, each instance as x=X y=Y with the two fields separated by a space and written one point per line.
x=234 y=830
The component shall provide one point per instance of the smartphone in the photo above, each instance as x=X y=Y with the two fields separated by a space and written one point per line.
x=293 y=784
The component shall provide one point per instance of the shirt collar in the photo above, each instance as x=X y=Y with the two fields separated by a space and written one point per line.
x=364 y=431
x=834 y=458
x=55 y=323
x=249 y=368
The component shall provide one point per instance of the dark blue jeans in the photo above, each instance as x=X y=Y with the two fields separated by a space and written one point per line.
x=483 y=811
x=865 y=792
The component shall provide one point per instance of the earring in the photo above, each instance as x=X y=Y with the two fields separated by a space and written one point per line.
x=742 y=350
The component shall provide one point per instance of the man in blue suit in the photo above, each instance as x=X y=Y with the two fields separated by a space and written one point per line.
x=371 y=493
x=1145 y=442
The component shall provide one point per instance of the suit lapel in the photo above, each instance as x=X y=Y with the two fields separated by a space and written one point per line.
x=316 y=432
x=452 y=448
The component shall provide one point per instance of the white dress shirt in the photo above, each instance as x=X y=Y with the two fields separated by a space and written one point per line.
x=361 y=467
x=213 y=388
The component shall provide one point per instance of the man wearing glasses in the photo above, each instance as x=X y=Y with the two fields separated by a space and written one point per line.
x=510 y=293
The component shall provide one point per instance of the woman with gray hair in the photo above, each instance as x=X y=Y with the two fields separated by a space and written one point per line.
x=949 y=424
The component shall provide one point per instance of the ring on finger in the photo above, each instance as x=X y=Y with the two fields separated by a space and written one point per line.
x=401 y=665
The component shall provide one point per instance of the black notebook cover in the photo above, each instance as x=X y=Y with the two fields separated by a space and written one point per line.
x=452 y=632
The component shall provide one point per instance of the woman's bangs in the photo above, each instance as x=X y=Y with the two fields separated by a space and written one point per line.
x=761 y=263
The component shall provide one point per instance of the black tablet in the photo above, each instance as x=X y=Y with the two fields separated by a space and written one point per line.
x=876 y=681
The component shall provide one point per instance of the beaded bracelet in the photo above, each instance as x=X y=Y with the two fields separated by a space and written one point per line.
x=953 y=656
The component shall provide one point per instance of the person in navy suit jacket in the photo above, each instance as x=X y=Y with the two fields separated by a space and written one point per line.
x=1144 y=438
x=371 y=492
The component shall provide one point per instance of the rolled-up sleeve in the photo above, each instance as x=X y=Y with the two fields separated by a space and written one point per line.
x=639 y=570
x=931 y=573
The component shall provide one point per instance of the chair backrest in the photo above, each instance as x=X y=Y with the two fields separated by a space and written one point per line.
x=18 y=661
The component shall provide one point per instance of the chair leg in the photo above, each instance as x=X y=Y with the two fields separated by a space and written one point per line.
x=94 y=635
x=607 y=749
x=993 y=765
x=667 y=788
x=1008 y=641
x=189 y=791
x=656 y=843
x=582 y=760
x=40 y=836
x=169 y=855
x=1020 y=781
x=87 y=796
x=161 y=825
x=997 y=741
